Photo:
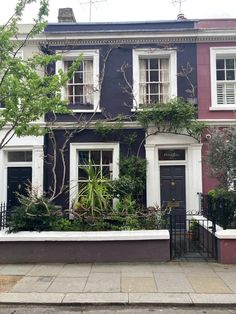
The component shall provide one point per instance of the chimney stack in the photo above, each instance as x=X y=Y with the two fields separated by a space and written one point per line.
x=66 y=15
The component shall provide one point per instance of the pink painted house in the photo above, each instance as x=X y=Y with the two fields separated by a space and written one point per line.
x=216 y=80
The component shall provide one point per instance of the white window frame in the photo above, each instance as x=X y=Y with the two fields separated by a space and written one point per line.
x=75 y=147
x=90 y=54
x=214 y=53
x=158 y=53
x=37 y=165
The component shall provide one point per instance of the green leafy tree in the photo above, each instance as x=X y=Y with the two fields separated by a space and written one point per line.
x=222 y=156
x=26 y=93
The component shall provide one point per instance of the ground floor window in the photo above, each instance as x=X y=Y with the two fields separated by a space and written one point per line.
x=92 y=159
x=94 y=164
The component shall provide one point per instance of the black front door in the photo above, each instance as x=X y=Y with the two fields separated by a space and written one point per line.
x=17 y=180
x=173 y=188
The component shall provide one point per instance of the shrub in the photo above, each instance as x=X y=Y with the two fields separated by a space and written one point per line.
x=34 y=214
x=222 y=207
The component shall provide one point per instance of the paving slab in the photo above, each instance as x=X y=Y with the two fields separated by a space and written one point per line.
x=16 y=269
x=191 y=267
x=31 y=298
x=202 y=284
x=229 y=278
x=106 y=268
x=105 y=298
x=75 y=270
x=45 y=270
x=223 y=267
x=172 y=282
x=103 y=282
x=213 y=299
x=68 y=284
x=136 y=267
x=33 y=284
x=137 y=274
x=8 y=282
x=159 y=298
x=167 y=267
x=138 y=284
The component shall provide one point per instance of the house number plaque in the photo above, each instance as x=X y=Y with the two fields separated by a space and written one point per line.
x=173 y=204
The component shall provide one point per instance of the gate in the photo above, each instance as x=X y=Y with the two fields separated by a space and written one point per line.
x=192 y=236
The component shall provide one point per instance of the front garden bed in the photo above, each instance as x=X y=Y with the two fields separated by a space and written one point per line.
x=73 y=247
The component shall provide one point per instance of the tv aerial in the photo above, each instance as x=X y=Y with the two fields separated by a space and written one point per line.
x=179 y=3
x=91 y=3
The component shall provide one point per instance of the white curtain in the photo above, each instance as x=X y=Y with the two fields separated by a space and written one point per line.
x=142 y=80
x=88 y=81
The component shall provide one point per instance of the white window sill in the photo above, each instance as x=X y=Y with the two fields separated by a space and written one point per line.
x=222 y=108
x=86 y=111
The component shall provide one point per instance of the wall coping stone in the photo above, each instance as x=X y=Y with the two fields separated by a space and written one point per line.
x=226 y=234
x=135 y=235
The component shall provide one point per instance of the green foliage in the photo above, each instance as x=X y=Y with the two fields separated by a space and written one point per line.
x=94 y=196
x=176 y=116
x=123 y=187
x=126 y=205
x=34 y=214
x=134 y=169
x=110 y=129
x=222 y=207
x=25 y=92
x=222 y=156
x=65 y=224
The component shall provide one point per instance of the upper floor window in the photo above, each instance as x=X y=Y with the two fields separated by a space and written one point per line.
x=223 y=78
x=82 y=90
x=154 y=76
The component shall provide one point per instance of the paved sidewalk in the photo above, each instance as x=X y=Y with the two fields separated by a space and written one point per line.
x=134 y=283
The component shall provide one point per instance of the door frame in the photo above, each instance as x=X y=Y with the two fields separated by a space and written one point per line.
x=192 y=163
x=174 y=163
x=37 y=165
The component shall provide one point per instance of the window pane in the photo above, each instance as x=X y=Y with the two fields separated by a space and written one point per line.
x=83 y=157
x=78 y=99
x=154 y=76
x=230 y=75
x=154 y=64
x=78 y=77
x=229 y=63
x=20 y=156
x=96 y=157
x=220 y=75
x=171 y=154
x=106 y=157
x=154 y=99
x=154 y=88
x=106 y=172
x=83 y=175
x=70 y=90
x=220 y=63
x=79 y=90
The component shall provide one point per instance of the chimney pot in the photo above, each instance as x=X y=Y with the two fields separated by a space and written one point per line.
x=181 y=17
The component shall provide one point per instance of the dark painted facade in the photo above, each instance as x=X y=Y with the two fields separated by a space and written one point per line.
x=187 y=43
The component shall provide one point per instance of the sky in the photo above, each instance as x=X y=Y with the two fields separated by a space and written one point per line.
x=129 y=10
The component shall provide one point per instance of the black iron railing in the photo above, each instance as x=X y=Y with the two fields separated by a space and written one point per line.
x=192 y=237
x=5 y=213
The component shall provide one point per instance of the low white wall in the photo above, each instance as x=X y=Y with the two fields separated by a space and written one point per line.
x=85 y=236
x=226 y=234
